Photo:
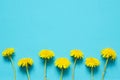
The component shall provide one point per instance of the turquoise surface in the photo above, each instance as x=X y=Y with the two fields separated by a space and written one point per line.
x=60 y=25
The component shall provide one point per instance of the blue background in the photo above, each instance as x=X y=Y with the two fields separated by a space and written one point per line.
x=60 y=25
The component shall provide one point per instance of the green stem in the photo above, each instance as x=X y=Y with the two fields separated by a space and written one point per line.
x=13 y=67
x=92 y=74
x=105 y=66
x=73 y=70
x=61 y=75
x=45 y=66
x=27 y=73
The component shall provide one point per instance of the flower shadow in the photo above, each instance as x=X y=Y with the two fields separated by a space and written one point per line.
x=111 y=62
x=78 y=62
x=95 y=70
x=65 y=71
x=23 y=69
x=49 y=62
x=7 y=58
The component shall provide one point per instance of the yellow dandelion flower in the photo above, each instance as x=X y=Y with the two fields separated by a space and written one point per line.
x=62 y=63
x=76 y=54
x=25 y=62
x=108 y=53
x=46 y=54
x=92 y=62
x=8 y=52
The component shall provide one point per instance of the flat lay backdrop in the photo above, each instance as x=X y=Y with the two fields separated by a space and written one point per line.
x=60 y=25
